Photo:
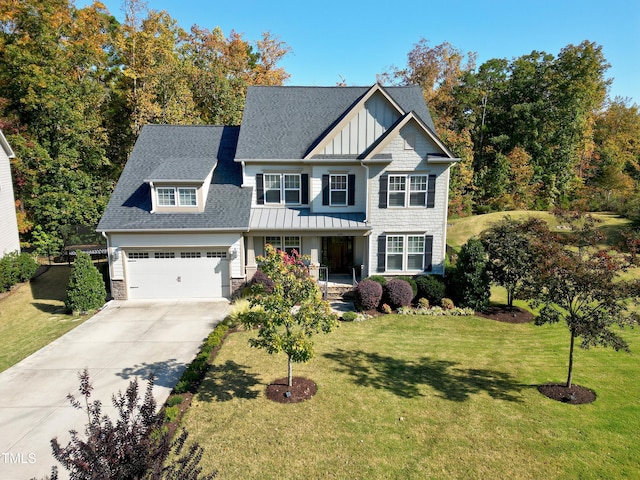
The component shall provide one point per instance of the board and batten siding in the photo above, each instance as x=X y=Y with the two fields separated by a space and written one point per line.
x=9 y=239
x=364 y=129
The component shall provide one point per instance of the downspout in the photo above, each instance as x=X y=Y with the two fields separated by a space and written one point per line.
x=366 y=220
x=444 y=226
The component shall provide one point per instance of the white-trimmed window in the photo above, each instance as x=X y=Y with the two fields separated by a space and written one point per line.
x=216 y=254
x=282 y=188
x=291 y=188
x=164 y=255
x=172 y=196
x=190 y=254
x=405 y=253
x=397 y=190
x=137 y=255
x=187 y=197
x=418 y=190
x=395 y=252
x=338 y=190
x=289 y=242
x=166 y=196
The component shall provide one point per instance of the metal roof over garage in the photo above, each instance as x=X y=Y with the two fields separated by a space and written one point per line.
x=303 y=219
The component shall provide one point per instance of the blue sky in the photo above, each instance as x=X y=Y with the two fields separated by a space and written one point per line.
x=333 y=40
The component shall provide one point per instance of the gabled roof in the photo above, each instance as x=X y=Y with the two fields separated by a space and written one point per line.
x=410 y=117
x=282 y=123
x=187 y=170
x=170 y=149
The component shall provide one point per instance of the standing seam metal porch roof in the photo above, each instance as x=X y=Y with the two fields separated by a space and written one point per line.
x=302 y=219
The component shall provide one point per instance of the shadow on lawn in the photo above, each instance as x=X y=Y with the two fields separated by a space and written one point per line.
x=228 y=381
x=404 y=378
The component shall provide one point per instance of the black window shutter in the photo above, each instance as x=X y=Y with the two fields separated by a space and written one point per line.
x=382 y=195
x=304 y=185
x=431 y=191
x=352 y=189
x=382 y=253
x=428 y=253
x=259 y=189
x=325 y=189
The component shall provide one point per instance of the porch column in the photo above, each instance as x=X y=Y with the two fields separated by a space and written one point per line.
x=251 y=258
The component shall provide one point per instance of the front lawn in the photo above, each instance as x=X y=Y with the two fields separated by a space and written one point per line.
x=34 y=315
x=422 y=397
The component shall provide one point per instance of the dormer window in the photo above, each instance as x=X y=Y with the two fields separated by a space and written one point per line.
x=180 y=196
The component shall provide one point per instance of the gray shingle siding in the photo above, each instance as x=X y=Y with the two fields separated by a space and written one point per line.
x=187 y=152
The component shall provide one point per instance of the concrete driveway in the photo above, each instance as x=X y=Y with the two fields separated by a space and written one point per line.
x=127 y=339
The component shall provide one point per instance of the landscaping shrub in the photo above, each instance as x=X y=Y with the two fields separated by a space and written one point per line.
x=447 y=304
x=368 y=295
x=412 y=282
x=171 y=414
x=423 y=303
x=86 y=290
x=16 y=268
x=349 y=316
x=430 y=287
x=386 y=309
x=378 y=279
x=261 y=283
x=8 y=273
x=175 y=400
x=470 y=281
x=26 y=266
x=397 y=293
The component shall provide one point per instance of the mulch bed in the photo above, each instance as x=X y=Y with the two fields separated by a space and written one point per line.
x=575 y=395
x=302 y=389
x=503 y=313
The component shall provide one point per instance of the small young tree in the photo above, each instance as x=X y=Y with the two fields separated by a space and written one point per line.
x=292 y=313
x=86 y=290
x=582 y=287
x=470 y=280
x=511 y=258
x=135 y=446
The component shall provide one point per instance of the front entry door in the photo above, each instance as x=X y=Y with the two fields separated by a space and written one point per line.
x=337 y=254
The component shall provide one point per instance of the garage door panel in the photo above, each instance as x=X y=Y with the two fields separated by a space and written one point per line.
x=190 y=274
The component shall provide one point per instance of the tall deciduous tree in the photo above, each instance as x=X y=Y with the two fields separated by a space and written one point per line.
x=292 y=313
x=583 y=288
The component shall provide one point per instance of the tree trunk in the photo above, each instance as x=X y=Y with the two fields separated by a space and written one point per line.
x=570 y=374
x=510 y=298
x=290 y=376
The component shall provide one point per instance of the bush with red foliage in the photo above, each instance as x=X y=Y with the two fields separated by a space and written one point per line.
x=368 y=295
x=262 y=281
x=398 y=293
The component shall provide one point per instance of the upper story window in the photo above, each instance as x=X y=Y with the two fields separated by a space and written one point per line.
x=279 y=188
x=338 y=190
x=181 y=196
x=404 y=190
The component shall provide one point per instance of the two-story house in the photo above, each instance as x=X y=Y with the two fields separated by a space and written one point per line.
x=354 y=177
x=9 y=239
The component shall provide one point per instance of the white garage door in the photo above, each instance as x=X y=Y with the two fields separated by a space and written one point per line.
x=177 y=274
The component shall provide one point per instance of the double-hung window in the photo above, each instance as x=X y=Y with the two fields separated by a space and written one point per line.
x=290 y=243
x=272 y=187
x=410 y=190
x=405 y=252
x=397 y=190
x=338 y=190
x=291 y=188
x=181 y=196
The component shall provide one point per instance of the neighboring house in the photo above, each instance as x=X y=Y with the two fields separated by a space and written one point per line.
x=9 y=239
x=354 y=177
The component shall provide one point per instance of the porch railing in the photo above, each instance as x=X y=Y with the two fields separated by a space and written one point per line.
x=323 y=280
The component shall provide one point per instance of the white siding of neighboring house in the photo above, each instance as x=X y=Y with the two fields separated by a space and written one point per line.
x=9 y=239
x=118 y=242
x=431 y=221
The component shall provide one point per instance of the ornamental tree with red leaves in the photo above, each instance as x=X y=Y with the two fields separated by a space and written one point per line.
x=579 y=282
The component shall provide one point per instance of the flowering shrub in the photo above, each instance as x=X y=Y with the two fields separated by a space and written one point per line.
x=368 y=295
x=398 y=293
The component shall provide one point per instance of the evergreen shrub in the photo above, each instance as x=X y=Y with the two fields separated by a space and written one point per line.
x=86 y=291
x=368 y=294
x=431 y=287
x=397 y=293
x=412 y=282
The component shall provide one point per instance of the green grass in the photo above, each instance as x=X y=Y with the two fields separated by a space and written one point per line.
x=422 y=397
x=461 y=229
x=34 y=315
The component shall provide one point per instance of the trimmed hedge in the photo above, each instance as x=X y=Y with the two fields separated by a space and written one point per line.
x=397 y=293
x=368 y=294
x=431 y=287
x=412 y=282
x=16 y=268
x=86 y=290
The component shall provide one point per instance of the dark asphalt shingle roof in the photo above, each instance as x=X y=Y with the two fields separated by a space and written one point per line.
x=175 y=152
x=285 y=122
